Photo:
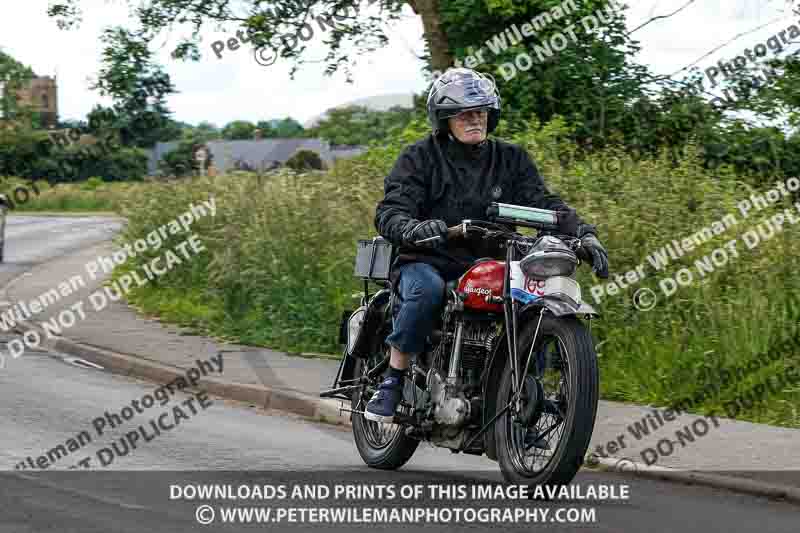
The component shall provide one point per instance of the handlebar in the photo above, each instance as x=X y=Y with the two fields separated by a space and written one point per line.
x=500 y=214
x=516 y=215
x=460 y=230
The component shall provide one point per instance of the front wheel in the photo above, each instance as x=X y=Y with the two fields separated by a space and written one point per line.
x=543 y=438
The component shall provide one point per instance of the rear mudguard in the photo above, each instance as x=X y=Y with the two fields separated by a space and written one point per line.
x=377 y=309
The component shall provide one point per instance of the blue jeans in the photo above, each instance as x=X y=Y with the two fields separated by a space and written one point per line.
x=419 y=298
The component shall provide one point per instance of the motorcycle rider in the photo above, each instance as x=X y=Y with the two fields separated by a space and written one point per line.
x=451 y=175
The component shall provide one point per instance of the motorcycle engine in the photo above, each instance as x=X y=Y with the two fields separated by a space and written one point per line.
x=477 y=344
x=457 y=401
x=449 y=410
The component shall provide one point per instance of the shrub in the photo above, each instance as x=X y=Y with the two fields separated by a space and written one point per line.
x=304 y=160
x=92 y=183
x=181 y=161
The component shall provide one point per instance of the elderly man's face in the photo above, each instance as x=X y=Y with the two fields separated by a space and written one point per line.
x=469 y=127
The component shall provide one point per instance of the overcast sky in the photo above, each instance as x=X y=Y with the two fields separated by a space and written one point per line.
x=235 y=87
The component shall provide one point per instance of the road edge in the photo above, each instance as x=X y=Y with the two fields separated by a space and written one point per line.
x=625 y=466
x=326 y=411
x=136 y=366
x=319 y=410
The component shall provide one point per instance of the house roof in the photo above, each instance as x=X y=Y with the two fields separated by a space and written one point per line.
x=257 y=154
x=263 y=152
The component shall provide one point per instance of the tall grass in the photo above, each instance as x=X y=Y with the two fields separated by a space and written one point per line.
x=91 y=195
x=279 y=265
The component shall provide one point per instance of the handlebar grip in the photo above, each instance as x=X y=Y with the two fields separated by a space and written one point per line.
x=452 y=232
x=584 y=255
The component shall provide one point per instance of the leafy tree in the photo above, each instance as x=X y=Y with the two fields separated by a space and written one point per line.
x=239 y=130
x=587 y=82
x=567 y=69
x=138 y=88
x=203 y=132
x=13 y=76
x=357 y=125
x=590 y=79
x=262 y=23
x=266 y=128
x=288 y=128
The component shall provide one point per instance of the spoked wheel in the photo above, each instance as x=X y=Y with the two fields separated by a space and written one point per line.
x=380 y=445
x=542 y=438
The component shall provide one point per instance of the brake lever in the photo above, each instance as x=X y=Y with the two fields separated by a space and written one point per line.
x=581 y=252
x=434 y=238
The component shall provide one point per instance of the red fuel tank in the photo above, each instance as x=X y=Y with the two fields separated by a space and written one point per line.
x=482 y=280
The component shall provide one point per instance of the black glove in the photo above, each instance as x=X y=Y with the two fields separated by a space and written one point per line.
x=417 y=231
x=598 y=253
x=567 y=221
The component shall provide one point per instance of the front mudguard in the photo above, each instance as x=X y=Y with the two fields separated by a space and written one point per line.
x=560 y=307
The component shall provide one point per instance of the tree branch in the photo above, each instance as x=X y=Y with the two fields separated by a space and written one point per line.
x=652 y=19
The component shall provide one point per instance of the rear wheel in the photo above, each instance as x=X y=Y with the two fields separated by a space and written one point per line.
x=545 y=440
x=383 y=446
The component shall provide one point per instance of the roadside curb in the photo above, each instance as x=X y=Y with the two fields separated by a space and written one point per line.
x=743 y=485
x=263 y=397
x=267 y=398
x=327 y=411
x=319 y=410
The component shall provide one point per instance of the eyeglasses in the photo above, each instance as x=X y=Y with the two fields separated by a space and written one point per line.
x=465 y=115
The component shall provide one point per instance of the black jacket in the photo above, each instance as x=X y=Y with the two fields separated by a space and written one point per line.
x=442 y=178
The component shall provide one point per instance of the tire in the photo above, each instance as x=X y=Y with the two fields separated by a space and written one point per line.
x=575 y=346
x=394 y=452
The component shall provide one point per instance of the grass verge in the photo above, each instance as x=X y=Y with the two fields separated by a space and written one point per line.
x=280 y=250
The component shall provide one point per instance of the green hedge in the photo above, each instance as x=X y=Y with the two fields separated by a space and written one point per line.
x=32 y=154
x=279 y=265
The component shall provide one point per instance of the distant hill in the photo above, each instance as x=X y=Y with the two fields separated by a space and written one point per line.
x=381 y=102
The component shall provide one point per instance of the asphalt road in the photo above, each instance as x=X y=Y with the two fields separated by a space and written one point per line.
x=30 y=240
x=46 y=400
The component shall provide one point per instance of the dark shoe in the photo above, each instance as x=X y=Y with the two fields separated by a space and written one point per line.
x=384 y=402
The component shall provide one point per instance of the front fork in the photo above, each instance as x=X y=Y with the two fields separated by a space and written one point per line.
x=510 y=312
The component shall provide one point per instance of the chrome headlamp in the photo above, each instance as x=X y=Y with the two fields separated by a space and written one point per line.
x=549 y=257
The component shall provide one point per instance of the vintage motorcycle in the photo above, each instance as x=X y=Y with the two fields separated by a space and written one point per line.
x=510 y=369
